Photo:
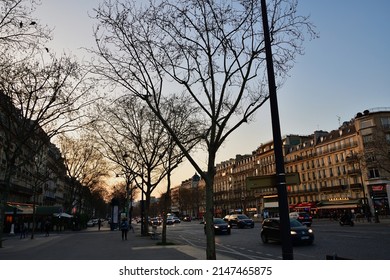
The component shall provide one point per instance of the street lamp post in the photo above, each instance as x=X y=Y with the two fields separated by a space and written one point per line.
x=287 y=250
x=142 y=203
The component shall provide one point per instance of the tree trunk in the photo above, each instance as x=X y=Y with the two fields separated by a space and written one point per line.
x=146 y=213
x=210 y=236
x=167 y=199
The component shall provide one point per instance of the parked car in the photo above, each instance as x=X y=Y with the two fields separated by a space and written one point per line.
x=176 y=220
x=90 y=223
x=302 y=217
x=239 y=220
x=220 y=226
x=299 y=233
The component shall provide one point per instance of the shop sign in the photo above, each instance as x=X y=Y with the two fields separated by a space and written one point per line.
x=377 y=188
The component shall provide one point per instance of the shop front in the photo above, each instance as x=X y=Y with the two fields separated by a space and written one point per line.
x=379 y=194
x=17 y=214
x=334 y=208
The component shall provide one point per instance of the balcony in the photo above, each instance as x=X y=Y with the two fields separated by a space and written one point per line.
x=356 y=187
x=333 y=189
x=354 y=172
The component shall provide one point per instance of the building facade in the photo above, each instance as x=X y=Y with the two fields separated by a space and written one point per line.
x=345 y=169
x=32 y=170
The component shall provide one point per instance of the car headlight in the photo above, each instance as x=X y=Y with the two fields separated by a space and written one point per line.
x=293 y=232
x=228 y=226
x=216 y=226
x=310 y=230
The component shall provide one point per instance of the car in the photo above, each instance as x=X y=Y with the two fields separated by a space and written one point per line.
x=302 y=217
x=300 y=234
x=220 y=226
x=155 y=222
x=187 y=219
x=176 y=220
x=239 y=220
x=90 y=223
x=170 y=221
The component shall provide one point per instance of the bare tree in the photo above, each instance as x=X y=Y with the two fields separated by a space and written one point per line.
x=85 y=166
x=42 y=173
x=378 y=151
x=18 y=29
x=38 y=100
x=213 y=51
x=21 y=35
x=136 y=141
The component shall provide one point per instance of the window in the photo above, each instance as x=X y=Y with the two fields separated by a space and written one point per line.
x=373 y=173
x=385 y=121
x=365 y=124
x=367 y=139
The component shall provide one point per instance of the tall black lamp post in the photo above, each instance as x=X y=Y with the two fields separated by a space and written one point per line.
x=287 y=251
x=142 y=204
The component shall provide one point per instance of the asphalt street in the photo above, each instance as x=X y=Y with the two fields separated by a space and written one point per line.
x=92 y=244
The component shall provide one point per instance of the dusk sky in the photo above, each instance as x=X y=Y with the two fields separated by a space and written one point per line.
x=345 y=71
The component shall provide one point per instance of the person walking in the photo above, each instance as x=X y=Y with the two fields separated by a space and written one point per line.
x=124 y=229
x=47 y=227
x=22 y=230
x=99 y=224
x=131 y=227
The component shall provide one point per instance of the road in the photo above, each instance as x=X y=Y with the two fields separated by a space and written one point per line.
x=364 y=241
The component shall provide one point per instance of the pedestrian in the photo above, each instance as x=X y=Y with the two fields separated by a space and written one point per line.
x=47 y=227
x=131 y=227
x=99 y=224
x=22 y=230
x=124 y=229
x=368 y=216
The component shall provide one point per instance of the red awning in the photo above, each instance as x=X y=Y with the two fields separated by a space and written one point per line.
x=305 y=205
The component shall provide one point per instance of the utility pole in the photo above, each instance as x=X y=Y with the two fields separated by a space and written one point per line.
x=287 y=250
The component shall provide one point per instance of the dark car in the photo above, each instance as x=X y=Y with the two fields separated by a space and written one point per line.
x=220 y=226
x=299 y=233
x=239 y=220
x=187 y=219
x=155 y=222
x=303 y=217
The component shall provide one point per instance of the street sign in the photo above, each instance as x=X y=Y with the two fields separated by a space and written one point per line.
x=258 y=182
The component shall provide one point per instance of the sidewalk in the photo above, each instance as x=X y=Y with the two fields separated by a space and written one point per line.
x=361 y=220
x=97 y=245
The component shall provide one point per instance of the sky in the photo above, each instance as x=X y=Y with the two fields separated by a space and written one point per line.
x=343 y=72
